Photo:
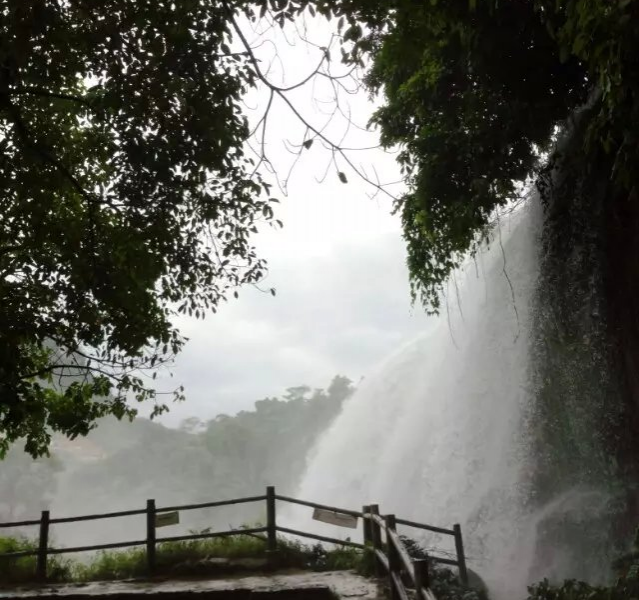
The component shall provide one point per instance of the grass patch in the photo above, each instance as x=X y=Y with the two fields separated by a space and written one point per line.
x=192 y=557
x=23 y=570
x=171 y=558
x=319 y=558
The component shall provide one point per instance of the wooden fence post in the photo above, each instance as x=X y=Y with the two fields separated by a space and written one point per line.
x=376 y=538
x=43 y=545
x=366 y=524
x=394 y=564
x=461 y=559
x=271 y=525
x=420 y=570
x=150 y=536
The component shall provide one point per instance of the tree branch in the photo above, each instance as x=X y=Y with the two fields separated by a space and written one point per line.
x=281 y=92
x=35 y=91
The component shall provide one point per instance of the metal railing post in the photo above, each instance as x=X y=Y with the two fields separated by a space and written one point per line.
x=461 y=559
x=394 y=564
x=150 y=536
x=43 y=545
x=376 y=538
x=422 y=579
x=366 y=524
x=271 y=525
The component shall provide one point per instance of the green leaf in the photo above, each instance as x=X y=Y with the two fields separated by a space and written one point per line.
x=353 y=33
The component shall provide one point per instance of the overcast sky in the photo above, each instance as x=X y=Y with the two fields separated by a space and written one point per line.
x=338 y=265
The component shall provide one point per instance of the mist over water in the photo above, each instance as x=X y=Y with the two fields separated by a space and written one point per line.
x=439 y=432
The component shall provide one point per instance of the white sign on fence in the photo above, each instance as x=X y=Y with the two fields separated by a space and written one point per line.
x=335 y=518
x=169 y=518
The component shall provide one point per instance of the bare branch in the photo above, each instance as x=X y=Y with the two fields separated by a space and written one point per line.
x=312 y=131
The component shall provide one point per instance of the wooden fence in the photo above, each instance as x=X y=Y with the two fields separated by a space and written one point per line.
x=380 y=534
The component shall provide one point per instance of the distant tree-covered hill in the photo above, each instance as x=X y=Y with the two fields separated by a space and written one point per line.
x=120 y=465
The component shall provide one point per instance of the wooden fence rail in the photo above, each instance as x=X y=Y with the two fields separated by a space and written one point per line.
x=396 y=562
x=391 y=556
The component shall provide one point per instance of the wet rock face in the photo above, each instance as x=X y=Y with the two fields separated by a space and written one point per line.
x=296 y=586
x=582 y=427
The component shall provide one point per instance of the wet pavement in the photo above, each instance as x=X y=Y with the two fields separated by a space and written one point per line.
x=290 y=586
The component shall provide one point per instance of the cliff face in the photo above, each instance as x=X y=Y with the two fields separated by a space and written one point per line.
x=622 y=297
x=585 y=359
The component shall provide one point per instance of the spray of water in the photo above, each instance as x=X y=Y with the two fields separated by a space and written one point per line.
x=438 y=432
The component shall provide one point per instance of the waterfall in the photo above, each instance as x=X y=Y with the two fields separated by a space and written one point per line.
x=437 y=433
x=458 y=426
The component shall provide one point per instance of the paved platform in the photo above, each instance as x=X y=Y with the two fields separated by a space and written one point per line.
x=289 y=586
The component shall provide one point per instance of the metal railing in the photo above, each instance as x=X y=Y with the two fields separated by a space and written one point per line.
x=393 y=560
x=391 y=556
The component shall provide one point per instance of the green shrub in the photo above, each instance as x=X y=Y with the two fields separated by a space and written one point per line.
x=121 y=564
x=183 y=558
x=446 y=586
x=623 y=589
x=340 y=558
x=23 y=570
x=626 y=586
x=170 y=556
x=238 y=546
x=180 y=558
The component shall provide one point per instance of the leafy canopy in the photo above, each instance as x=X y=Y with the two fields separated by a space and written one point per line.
x=126 y=197
x=474 y=91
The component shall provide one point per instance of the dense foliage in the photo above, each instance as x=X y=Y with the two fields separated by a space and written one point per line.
x=126 y=196
x=464 y=101
x=474 y=91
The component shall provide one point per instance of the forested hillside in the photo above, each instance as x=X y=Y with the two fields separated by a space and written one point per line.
x=119 y=465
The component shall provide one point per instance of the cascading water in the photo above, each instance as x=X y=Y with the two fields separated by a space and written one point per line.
x=441 y=434
x=437 y=434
